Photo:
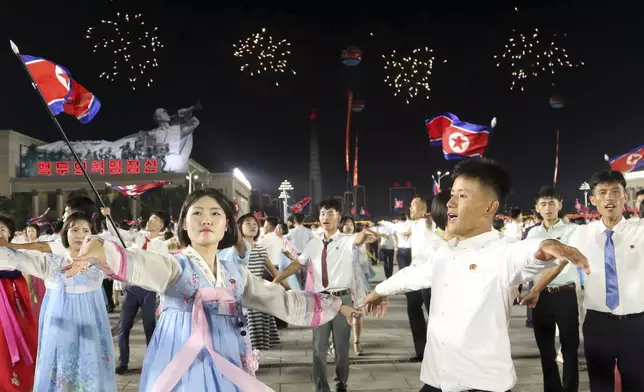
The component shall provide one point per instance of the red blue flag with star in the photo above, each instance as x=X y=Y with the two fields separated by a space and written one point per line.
x=459 y=139
x=62 y=93
x=628 y=162
x=136 y=190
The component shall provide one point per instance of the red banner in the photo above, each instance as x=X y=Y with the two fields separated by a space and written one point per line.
x=355 y=165
x=348 y=136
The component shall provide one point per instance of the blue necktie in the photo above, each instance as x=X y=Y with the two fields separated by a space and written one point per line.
x=612 y=286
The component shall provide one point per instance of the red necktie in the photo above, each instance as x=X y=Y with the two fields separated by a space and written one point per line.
x=145 y=245
x=325 y=272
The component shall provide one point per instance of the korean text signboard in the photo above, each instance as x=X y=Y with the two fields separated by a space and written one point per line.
x=98 y=167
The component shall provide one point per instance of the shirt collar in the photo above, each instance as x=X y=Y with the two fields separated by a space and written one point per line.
x=617 y=229
x=557 y=225
x=478 y=241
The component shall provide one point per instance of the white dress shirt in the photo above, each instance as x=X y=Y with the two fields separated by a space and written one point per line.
x=385 y=243
x=628 y=239
x=274 y=246
x=420 y=236
x=300 y=236
x=398 y=229
x=513 y=230
x=562 y=232
x=339 y=258
x=138 y=239
x=468 y=345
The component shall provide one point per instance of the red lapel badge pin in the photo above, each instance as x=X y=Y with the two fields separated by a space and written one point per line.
x=472 y=267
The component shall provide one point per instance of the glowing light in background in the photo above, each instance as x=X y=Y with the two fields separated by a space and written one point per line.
x=532 y=55
x=132 y=47
x=263 y=55
x=409 y=76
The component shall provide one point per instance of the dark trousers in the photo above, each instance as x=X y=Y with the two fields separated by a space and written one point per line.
x=558 y=309
x=415 y=302
x=528 y=320
x=429 y=388
x=135 y=298
x=108 y=286
x=608 y=338
x=387 y=258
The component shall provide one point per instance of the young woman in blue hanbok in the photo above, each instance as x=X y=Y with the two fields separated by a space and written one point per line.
x=199 y=343
x=75 y=349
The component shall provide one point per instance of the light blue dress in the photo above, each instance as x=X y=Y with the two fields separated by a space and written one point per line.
x=75 y=349
x=180 y=277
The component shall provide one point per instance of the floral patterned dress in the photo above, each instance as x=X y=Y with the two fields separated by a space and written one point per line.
x=75 y=349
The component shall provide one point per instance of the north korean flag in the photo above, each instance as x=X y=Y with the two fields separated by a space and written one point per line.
x=62 y=93
x=459 y=139
x=627 y=162
x=137 y=190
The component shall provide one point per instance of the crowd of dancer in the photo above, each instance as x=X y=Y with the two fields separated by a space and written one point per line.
x=223 y=285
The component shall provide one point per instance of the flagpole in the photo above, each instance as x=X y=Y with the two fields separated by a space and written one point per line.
x=16 y=51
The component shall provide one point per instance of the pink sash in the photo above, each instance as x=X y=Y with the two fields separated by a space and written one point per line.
x=200 y=338
x=12 y=333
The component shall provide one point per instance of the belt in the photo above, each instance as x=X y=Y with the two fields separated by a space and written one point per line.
x=618 y=316
x=337 y=293
x=559 y=289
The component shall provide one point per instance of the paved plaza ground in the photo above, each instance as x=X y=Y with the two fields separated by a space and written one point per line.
x=383 y=367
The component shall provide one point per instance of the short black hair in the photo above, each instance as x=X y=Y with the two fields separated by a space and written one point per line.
x=243 y=218
x=606 y=177
x=57 y=226
x=284 y=227
x=164 y=216
x=490 y=173
x=83 y=204
x=330 y=204
x=167 y=235
x=71 y=219
x=273 y=221
x=230 y=236
x=547 y=192
x=498 y=224
x=10 y=225
x=346 y=219
x=439 y=208
x=35 y=227
x=639 y=193
x=299 y=218
x=515 y=213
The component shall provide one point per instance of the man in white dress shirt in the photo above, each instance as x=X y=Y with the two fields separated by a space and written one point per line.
x=331 y=257
x=468 y=346
x=614 y=300
x=153 y=240
x=514 y=228
x=299 y=235
x=557 y=305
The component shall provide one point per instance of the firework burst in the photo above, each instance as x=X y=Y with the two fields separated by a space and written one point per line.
x=409 y=76
x=532 y=55
x=263 y=55
x=132 y=46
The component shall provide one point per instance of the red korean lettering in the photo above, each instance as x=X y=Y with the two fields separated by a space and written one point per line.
x=44 y=168
x=62 y=168
x=151 y=166
x=98 y=167
x=115 y=167
x=77 y=168
x=133 y=166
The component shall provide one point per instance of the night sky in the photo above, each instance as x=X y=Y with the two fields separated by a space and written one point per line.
x=248 y=122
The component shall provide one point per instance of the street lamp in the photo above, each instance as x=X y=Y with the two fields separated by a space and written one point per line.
x=191 y=177
x=439 y=177
x=585 y=187
x=284 y=188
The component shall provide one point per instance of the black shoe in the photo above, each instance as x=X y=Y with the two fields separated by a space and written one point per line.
x=528 y=325
x=121 y=369
x=417 y=358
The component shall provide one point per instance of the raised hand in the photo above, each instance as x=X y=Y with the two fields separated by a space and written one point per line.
x=90 y=253
x=553 y=249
